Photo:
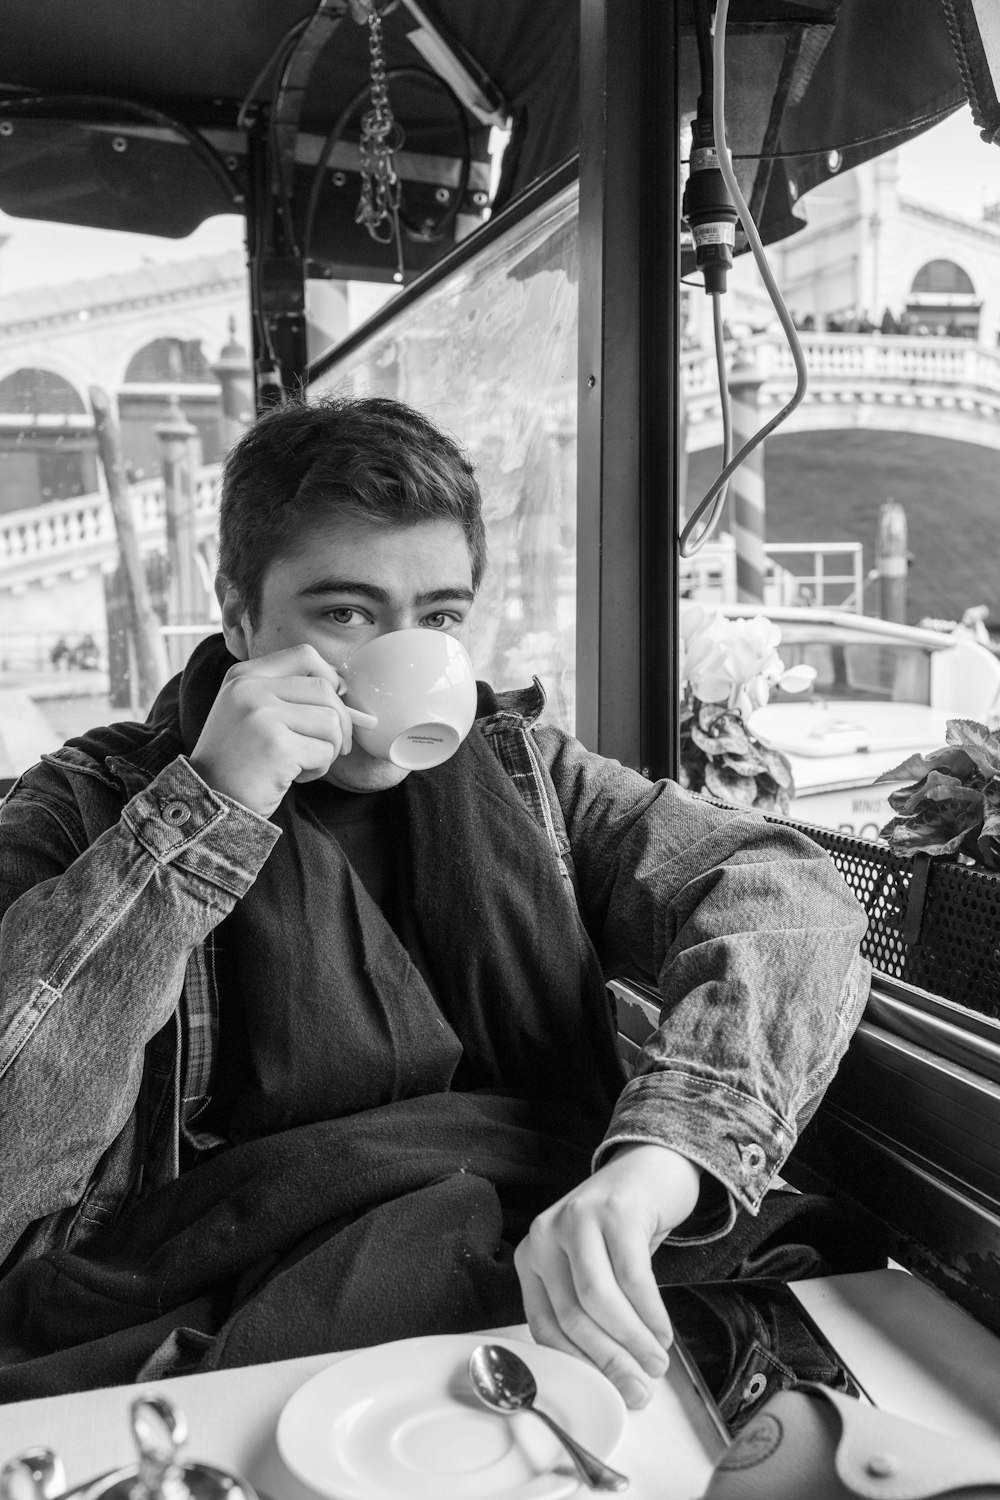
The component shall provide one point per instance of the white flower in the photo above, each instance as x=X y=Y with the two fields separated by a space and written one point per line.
x=735 y=662
x=797 y=679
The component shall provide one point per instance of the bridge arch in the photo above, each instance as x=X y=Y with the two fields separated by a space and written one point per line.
x=39 y=356
x=181 y=325
x=47 y=444
x=170 y=361
x=942 y=299
x=165 y=369
x=33 y=390
x=943 y=277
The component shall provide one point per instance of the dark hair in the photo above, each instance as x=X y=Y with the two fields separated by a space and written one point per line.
x=367 y=457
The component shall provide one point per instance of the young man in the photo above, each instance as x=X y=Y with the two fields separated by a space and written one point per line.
x=294 y=1045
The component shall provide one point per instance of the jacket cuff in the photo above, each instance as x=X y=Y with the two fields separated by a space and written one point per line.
x=731 y=1136
x=180 y=819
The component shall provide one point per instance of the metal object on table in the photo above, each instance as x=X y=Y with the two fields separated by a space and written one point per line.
x=160 y=1431
x=504 y=1383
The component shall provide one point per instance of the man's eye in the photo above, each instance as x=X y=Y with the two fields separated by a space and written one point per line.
x=440 y=621
x=345 y=615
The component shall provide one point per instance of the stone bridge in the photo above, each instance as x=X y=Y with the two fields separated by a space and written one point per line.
x=939 y=387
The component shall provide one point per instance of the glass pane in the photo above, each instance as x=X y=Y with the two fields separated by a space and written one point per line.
x=876 y=505
x=162 y=328
x=490 y=354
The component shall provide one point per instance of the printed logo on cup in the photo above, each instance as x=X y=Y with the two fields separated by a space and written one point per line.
x=421 y=687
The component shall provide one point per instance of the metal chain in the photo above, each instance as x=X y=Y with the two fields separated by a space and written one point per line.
x=381 y=137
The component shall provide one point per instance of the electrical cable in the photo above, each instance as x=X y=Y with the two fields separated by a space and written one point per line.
x=727 y=429
x=277 y=60
x=770 y=286
x=707 y=205
x=285 y=191
x=703 y=34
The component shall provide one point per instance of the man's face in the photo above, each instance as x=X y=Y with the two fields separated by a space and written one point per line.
x=347 y=582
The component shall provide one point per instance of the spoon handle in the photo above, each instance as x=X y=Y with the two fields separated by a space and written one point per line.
x=598 y=1475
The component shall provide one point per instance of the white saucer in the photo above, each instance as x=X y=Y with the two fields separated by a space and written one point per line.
x=400 y=1422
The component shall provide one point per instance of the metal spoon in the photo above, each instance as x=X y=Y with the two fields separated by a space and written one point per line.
x=36 y=1474
x=503 y=1382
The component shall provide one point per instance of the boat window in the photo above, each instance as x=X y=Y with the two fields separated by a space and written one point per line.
x=860 y=671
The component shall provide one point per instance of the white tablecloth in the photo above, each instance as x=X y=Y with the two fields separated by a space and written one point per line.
x=667 y=1451
x=916 y=1354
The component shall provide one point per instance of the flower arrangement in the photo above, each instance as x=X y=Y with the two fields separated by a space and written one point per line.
x=728 y=668
x=952 y=807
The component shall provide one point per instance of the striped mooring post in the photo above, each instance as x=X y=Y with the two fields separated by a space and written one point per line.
x=892 y=560
x=746 y=488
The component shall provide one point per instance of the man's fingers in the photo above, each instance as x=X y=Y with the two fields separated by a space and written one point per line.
x=292 y=661
x=306 y=686
x=601 y=1299
x=633 y=1271
x=557 y=1316
x=322 y=727
x=549 y=1322
x=541 y=1318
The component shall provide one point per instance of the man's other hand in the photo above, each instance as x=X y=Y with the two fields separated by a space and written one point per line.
x=276 y=719
x=586 y=1278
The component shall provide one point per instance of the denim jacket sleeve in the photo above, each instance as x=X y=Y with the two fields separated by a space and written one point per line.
x=751 y=936
x=94 y=938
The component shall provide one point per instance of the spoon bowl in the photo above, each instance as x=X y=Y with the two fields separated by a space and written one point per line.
x=504 y=1382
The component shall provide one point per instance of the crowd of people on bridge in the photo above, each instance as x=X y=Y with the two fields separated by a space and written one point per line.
x=905 y=325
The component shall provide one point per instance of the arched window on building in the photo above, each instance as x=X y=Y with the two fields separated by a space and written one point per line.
x=160 y=370
x=47 y=445
x=943 y=300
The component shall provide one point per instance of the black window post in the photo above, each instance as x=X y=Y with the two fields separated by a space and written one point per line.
x=629 y=370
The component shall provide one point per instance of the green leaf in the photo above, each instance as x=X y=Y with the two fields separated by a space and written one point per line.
x=771 y=796
x=915 y=767
x=778 y=767
x=982 y=745
x=720 y=732
x=936 y=787
x=907 y=836
x=988 y=842
x=750 y=764
x=730 y=787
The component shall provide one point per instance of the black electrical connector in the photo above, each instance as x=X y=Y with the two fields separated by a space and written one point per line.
x=708 y=209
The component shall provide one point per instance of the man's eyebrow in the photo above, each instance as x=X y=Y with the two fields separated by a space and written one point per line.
x=379 y=595
x=443 y=596
x=345 y=586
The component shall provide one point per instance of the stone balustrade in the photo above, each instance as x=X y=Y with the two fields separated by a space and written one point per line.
x=69 y=535
x=946 y=386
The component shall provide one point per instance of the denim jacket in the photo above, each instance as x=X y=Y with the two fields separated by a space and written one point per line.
x=115 y=873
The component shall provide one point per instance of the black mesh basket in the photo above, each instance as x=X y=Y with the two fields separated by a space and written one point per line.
x=931 y=922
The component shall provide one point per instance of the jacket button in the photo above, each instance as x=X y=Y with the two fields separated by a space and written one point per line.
x=753 y=1157
x=881 y=1466
x=176 y=813
x=755 y=1386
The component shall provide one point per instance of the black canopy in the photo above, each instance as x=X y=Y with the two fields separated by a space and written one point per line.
x=153 y=115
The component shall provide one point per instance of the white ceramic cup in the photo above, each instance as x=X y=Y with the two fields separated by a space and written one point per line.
x=421 y=688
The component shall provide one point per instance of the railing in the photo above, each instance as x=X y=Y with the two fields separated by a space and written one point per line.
x=81 y=532
x=959 y=376
x=710 y=576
